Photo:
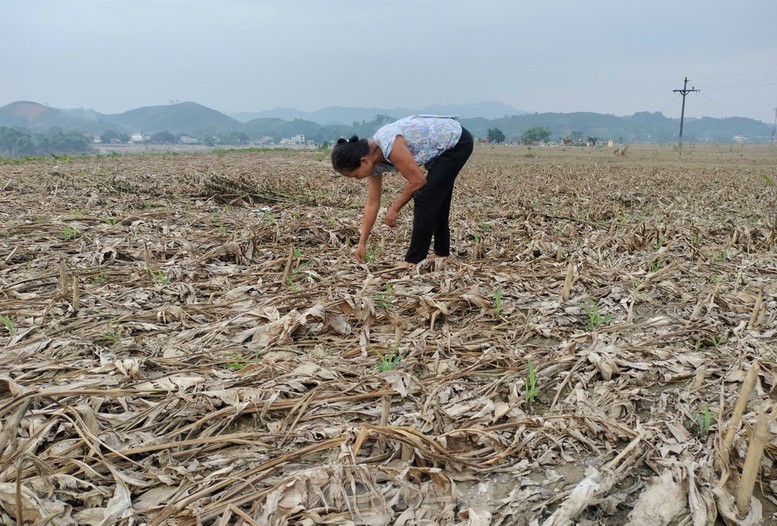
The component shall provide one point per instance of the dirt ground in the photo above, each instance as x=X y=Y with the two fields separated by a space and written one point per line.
x=187 y=339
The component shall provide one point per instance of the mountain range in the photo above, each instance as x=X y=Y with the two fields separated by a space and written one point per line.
x=193 y=119
x=338 y=115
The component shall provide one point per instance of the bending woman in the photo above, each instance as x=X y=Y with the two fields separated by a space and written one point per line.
x=441 y=145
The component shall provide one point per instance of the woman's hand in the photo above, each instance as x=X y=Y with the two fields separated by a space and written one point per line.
x=391 y=216
x=361 y=250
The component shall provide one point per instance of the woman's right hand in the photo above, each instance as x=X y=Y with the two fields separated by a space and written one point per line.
x=361 y=250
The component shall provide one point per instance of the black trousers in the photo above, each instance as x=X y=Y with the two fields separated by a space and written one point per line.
x=432 y=203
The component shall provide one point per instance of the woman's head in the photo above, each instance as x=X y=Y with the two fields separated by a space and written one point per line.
x=347 y=154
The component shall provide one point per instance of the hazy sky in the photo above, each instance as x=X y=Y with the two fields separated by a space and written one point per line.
x=604 y=56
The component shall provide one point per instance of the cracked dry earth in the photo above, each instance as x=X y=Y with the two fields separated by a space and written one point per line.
x=187 y=339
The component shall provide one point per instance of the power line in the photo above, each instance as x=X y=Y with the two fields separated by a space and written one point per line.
x=721 y=106
x=738 y=75
x=751 y=84
x=685 y=91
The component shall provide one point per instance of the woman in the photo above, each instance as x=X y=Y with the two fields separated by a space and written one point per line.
x=441 y=145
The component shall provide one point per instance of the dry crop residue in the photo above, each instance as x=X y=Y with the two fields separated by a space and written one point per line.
x=187 y=339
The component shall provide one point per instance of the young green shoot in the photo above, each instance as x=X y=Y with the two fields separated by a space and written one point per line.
x=595 y=318
x=69 y=233
x=296 y=274
x=704 y=420
x=498 y=301
x=718 y=340
x=387 y=362
x=9 y=326
x=158 y=277
x=531 y=384
x=385 y=299
x=236 y=362
x=113 y=335
x=372 y=253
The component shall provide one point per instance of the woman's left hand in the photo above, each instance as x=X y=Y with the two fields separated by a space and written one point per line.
x=391 y=216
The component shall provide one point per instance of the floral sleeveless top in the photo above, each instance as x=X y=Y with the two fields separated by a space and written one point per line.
x=427 y=136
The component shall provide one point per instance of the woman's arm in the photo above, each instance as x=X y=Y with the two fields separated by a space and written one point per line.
x=371 y=208
x=403 y=161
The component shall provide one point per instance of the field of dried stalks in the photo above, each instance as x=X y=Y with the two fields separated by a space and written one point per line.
x=187 y=339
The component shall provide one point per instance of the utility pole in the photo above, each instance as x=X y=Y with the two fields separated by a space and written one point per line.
x=774 y=128
x=685 y=91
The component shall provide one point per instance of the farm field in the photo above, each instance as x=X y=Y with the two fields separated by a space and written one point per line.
x=187 y=339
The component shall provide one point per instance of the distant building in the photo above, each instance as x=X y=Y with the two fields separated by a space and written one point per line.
x=189 y=140
x=139 y=137
x=263 y=141
x=295 y=140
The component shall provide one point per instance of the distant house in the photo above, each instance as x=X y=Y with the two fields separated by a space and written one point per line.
x=263 y=141
x=185 y=139
x=296 y=139
x=140 y=137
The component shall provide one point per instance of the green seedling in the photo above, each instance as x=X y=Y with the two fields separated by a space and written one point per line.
x=531 y=384
x=113 y=334
x=237 y=363
x=623 y=217
x=386 y=299
x=69 y=233
x=9 y=326
x=387 y=362
x=110 y=220
x=595 y=318
x=704 y=420
x=99 y=279
x=158 y=277
x=498 y=301
x=372 y=253
x=291 y=281
x=718 y=340
x=297 y=274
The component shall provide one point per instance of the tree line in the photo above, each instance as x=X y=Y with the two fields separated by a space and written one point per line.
x=533 y=135
x=17 y=142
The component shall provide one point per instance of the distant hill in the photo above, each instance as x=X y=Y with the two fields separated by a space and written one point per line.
x=184 y=117
x=37 y=117
x=642 y=127
x=335 y=115
x=199 y=121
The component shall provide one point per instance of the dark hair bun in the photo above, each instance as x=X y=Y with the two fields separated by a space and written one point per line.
x=342 y=141
x=354 y=138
